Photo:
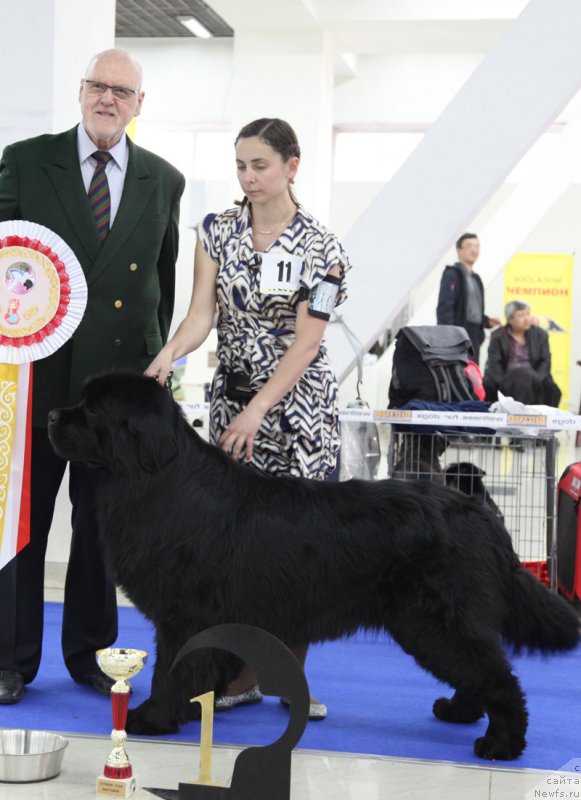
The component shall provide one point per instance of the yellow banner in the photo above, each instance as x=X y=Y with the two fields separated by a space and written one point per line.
x=130 y=129
x=545 y=282
x=8 y=395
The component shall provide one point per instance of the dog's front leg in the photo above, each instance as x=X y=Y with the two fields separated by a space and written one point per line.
x=167 y=706
x=172 y=689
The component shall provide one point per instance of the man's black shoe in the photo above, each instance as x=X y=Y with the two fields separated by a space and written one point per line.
x=97 y=680
x=11 y=686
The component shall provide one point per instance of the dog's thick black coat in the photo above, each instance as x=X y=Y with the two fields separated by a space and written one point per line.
x=197 y=540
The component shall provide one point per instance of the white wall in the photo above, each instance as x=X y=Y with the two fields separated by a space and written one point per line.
x=405 y=88
x=185 y=80
x=46 y=45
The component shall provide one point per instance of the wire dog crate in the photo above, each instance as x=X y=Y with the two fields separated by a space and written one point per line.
x=514 y=476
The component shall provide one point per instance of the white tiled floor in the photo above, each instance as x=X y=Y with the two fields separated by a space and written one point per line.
x=315 y=775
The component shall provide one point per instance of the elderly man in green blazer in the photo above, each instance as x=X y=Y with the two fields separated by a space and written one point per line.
x=127 y=248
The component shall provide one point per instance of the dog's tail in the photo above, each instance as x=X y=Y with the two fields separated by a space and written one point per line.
x=537 y=619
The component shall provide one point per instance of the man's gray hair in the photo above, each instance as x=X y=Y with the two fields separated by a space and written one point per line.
x=511 y=308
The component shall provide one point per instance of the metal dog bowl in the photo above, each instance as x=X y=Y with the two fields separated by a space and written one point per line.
x=27 y=756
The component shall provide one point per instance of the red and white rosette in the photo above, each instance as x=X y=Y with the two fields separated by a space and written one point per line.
x=43 y=295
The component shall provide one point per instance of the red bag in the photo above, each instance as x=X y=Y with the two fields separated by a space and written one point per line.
x=474 y=375
x=569 y=534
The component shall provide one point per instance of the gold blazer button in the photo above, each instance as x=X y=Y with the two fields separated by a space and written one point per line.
x=133 y=267
x=118 y=303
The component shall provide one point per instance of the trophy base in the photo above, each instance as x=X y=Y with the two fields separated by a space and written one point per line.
x=115 y=787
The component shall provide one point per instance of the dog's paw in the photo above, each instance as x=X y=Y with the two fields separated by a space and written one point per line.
x=493 y=749
x=146 y=720
x=451 y=710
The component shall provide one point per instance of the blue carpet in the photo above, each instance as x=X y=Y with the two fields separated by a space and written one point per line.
x=379 y=702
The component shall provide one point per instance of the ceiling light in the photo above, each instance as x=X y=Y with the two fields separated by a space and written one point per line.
x=195 y=27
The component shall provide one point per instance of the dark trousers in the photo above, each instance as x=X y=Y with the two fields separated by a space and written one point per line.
x=476 y=335
x=90 y=607
x=526 y=386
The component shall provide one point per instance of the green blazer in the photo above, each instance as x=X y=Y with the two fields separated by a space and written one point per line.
x=130 y=278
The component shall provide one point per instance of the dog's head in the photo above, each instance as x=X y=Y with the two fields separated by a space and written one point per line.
x=418 y=456
x=123 y=418
x=466 y=477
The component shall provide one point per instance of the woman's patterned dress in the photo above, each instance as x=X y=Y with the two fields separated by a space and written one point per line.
x=299 y=435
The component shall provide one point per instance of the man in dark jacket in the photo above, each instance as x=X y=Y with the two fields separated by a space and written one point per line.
x=519 y=360
x=461 y=298
x=128 y=253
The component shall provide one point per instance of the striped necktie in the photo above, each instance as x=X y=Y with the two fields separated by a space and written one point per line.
x=99 y=197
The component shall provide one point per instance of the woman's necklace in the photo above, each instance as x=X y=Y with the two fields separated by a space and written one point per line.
x=281 y=225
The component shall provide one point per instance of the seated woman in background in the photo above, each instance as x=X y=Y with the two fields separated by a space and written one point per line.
x=519 y=360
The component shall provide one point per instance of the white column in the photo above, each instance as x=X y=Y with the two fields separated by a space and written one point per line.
x=511 y=98
x=278 y=75
x=46 y=45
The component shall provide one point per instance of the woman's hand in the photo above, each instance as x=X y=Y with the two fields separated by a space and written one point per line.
x=161 y=366
x=197 y=324
x=241 y=432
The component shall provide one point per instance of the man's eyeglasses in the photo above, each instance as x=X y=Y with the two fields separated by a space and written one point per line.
x=97 y=89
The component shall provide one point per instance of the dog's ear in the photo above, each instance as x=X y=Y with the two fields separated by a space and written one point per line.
x=154 y=454
x=476 y=471
x=440 y=443
x=148 y=440
x=155 y=444
x=451 y=476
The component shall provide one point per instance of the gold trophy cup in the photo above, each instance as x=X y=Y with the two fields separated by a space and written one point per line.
x=120 y=664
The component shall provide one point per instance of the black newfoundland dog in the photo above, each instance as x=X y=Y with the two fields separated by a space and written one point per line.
x=197 y=540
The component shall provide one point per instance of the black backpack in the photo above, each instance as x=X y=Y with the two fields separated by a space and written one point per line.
x=428 y=364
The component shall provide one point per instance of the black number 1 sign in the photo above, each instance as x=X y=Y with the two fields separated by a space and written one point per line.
x=260 y=773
